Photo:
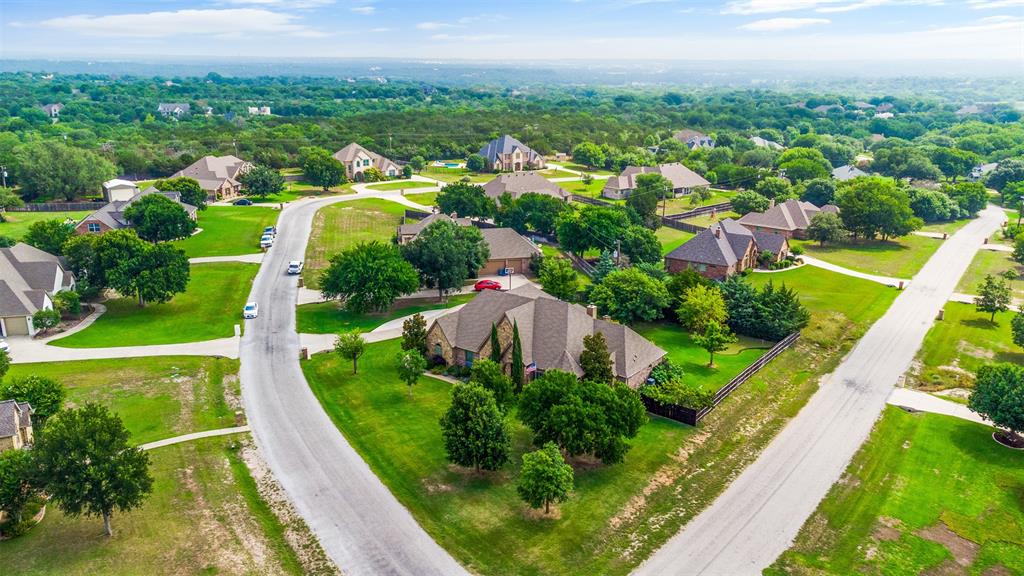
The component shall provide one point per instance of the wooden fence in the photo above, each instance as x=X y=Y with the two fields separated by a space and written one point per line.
x=693 y=416
x=59 y=207
x=722 y=207
x=581 y=264
x=680 y=225
x=591 y=201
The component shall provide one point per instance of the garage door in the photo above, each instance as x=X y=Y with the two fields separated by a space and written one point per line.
x=16 y=325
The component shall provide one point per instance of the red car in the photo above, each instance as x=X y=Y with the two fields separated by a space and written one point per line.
x=487 y=285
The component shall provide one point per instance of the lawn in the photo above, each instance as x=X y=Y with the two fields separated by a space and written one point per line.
x=401 y=185
x=16 y=224
x=557 y=173
x=684 y=204
x=582 y=168
x=958 y=345
x=328 y=318
x=898 y=258
x=456 y=175
x=424 y=198
x=229 y=231
x=671 y=238
x=293 y=190
x=707 y=220
x=340 y=226
x=694 y=359
x=927 y=494
x=947 y=227
x=990 y=262
x=825 y=292
x=592 y=190
x=550 y=251
x=208 y=309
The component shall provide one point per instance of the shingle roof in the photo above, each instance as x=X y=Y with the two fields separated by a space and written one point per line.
x=27 y=275
x=847 y=172
x=212 y=171
x=13 y=417
x=688 y=134
x=724 y=249
x=507 y=243
x=519 y=183
x=113 y=213
x=769 y=241
x=347 y=154
x=506 y=145
x=679 y=175
x=764 y=143
x=414 y=228
x=171 y=106
x=789 y=215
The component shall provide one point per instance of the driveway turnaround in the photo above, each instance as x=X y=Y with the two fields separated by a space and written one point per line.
x=925 y=402
x=760 y=513
x=360 y=525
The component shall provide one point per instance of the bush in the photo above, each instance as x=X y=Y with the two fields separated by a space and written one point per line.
x=1012 y=231
x=796 y=250
x=680 y=394
x=44 y=320
x=456 y=371
x=68 y=302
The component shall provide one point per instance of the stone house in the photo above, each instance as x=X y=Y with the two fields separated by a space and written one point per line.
x=358 y=159
x=29 y=279
x=510 y=252
x=506 y=154
x=219 y=176
x=725 y=249
x=15 y=425
x=111 y=216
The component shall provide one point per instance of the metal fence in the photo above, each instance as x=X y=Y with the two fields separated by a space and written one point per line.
x=59 y=207
x=693 y=416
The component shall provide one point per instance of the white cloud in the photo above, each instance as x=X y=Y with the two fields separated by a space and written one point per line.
x=987 y=4
x=782 y=24
x=747 y=7
x=983 y=25
x=468 y=37
x=285 y=4
x=231 y=22
x=364 y=10
x=435 y=25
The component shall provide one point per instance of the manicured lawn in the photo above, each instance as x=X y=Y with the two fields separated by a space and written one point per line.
x=16 y=224
x=947 y=227
x=592 y=190
x=899 y=258
x=294 y=190
x=208 y=309
x=958 y=345
x=990 y=262
x=424 y=198
x=824 y=292
x=556 y=173
x=671 y=238
x=229 y=231
x=328 y=318
x=684 y=204
x=924 y=492
x=343 y=225
x=582 y=168
x=694 y=359
x=400 y=185
x=708 y=219
x=457 y=174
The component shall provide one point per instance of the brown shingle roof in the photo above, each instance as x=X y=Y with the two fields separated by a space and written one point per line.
x=679 y=175
x=27 y=275
x=507 y=243
x=724 y=249
x=519 y=183
x=789 y=215
x=212 y=171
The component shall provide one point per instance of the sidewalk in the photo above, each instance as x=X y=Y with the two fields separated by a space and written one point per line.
x=886 y=280
x=193 y=436
x=27 y=350
x=924 y=402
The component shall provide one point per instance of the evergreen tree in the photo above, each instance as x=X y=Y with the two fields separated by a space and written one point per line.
x=495 y=345
x=518 y=369
x=605 y=266
x=595 y=360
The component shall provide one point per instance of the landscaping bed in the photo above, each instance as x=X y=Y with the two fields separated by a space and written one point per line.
x=228 y=231
x=340 y=226
x=330 y=318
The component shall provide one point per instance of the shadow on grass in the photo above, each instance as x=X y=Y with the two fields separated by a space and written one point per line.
x=980 y=323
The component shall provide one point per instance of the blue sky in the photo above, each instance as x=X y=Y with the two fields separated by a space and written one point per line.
x=518 y=30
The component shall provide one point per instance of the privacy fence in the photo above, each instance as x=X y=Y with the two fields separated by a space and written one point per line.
x=59 y=207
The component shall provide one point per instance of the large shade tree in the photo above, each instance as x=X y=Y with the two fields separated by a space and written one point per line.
x=49 y=169
x=999 y=396
x=447 y=254
x=369 y=277
x=157 y=218
x=474 y=429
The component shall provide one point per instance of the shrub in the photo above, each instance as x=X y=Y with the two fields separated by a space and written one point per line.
x=796 y=250
x=68 y=302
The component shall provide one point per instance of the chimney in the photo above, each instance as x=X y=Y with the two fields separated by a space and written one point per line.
x=455 y=215
x=771 y=203
x=718 y=231
x=592 y=311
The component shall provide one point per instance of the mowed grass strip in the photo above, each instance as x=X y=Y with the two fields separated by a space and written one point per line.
x=330 y=318
x=208 y=309
x=995 y=263
x=898 y=258
x=825 y=292
x=228 y=231
x=341 y=226
x=401 y=185
x=424 y=198
x=671 y=238
x=927 y=494
x=16 y=224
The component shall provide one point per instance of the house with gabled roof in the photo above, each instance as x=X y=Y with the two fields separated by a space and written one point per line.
x=790 y=218
x=847 y=172
x=506 y=154
x=219 y=176
x=509 y=252
x=15 y=425
x=357 y=160
x=551 y=333
x=29 y=278
x=694 y=139
x=765 y=143
x=53 y=110
x=176 y=109
x=111 y=216
x=518 y=183
x=724 y=249
x=683 y=180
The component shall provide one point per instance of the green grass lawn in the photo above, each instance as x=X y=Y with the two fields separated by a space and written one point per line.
x=556 y=173
x=582 y=168
x=293 y=190
x=924 y=492
x=550 y=251
x=400 y=185
x=328 y=318
x=694 y=359
x=958 y=345
x=825 y=292
x=456 y=175
x=899 y=258
x=208 y=309
x=592 y=190
x=15 y=224
x=990 y=262
x=343 y=225
x=708 y=219
x=684 y=204
x=424 y=198
x=671 y=238
x=229 y=231
x=947 y=227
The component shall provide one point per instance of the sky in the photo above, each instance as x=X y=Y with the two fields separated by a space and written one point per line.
x=522 y=30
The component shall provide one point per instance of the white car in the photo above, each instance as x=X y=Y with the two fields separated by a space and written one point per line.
x=5 y=347
x=295 y=267
x=251 y=310
x=266 y=241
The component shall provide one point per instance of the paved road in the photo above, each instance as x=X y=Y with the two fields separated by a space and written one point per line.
x=760 y=513
x=361 y=526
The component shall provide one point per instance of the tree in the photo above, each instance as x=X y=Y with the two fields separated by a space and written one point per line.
x=488 y=373
x=544 y=478
x=369 y=276
x=972 y=197
x=715 y=338
x=495 y=345
x=476 y=163
x=46 y=319
x=875 y=206
x=803 y=169
x=9 y=199
x=517 y=369
x=769 y=313
x=826 y=227
x=1018 y=250
x=701 y=305
x=994 y=296
x=588 y=154
x=45 y=395
x=773 y=187
x=630 y=296
x=558 y=278
x=819 y=191
x=1009 y=170
x=541 y=211
x=591 y=227
x=150 y=272
x=157 y=218
x=262 y=181
x=50 y=169
x=474 y=430
x=16 y=482
x=5 y=363
x=1016 y=327
x=649 y=189
x=89 y=467
x=999 y=396
x=595 y=359
x=641 y=245
x=953 y=162
x=407 y=171
x=464 y=199
x=934 y=205
x=410 y=364
x=446 y=254
x=414 y=334
x=605 y=266
x=322 y=169
x=749 y=201
x=417 y=162
x=49 y=235
x=350 y=346
x=188 y=188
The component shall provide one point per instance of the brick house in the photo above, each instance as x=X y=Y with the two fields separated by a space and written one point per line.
x=790 y=218
x=219 y=176
x=111 y=216
x=15 y=425
x=357 y=160
x=518 y=183
x=725 y=249
x=506 y=154
x=682 y=178
x=509 y=251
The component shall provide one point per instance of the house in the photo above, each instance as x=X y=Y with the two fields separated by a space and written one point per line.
x=510 y=252
x=847 y=172
x=763 y=143
x=119 y=190
x=357 y=159
x=519 y=183
x=683 y=180
x=259 y=111
x=408 y=231
x=885 y=107
x=173 y=109
x=826 y=108
x=724 y=249
x=551 y=333
x=53 y=110
x=790 y=218
x=111 y=216
x=694 y=139
x=861 y=105
x=506 y=154
x=15 y=425
x=884 y=115
x=219 y=176
x=29 y=278
x=980 y=171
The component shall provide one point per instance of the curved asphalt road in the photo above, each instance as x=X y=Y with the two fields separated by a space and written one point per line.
x=360 y=525
x=760 y=513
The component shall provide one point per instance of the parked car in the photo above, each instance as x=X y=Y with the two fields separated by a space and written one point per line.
x=266 y=241
x=242 y=202
x=251 y=310
x=295 y=267
x=5 y=347
x=272 y=230
x=487 y=285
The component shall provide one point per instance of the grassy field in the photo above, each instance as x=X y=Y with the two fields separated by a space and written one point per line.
x=400 y=185
x=825 y=292
x=16 y=224
x=947 y=227
x=328 y=318
x=294 y=190
x=592 y=190
x=694 y=359
x=343 y=225
x=582 y=168
x=958 y=345
x=556 y=173
x=671 y=238
x=899 y=258
x=683 y=203
x=990 y=262
x=927 y=494
x=709 y=219
x=424 y=198
x=228 y=231
x=208 y=309
x=456 y=175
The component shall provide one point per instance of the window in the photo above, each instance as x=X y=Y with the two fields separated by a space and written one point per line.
x=437 y=349
x=94 y=227
x=469 y=358
x=366 y=162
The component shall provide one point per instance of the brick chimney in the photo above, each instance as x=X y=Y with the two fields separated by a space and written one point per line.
x=718 y=231
x=771 y=203
x=592 y=311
